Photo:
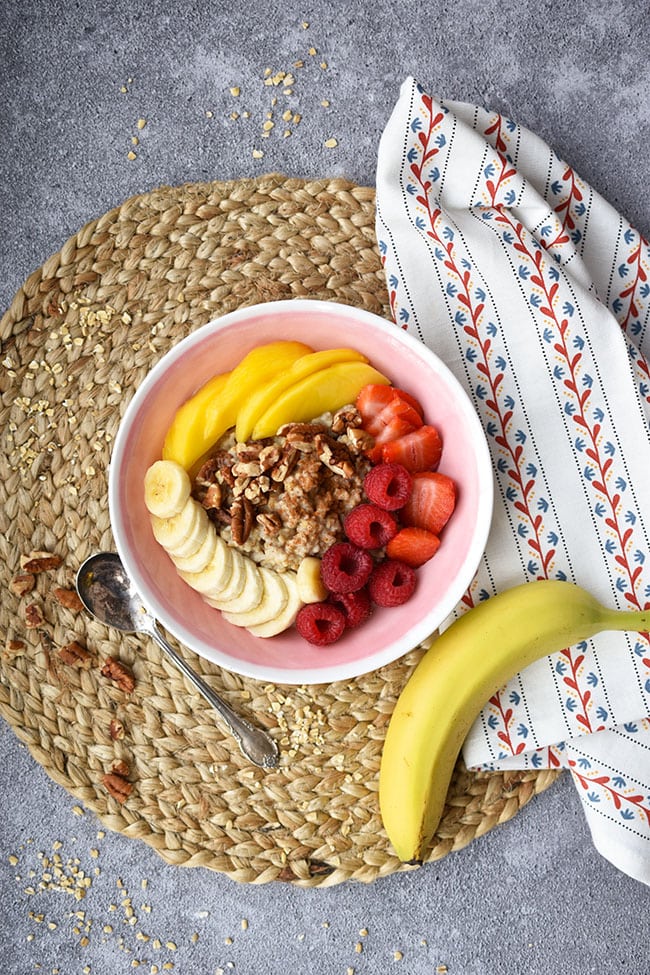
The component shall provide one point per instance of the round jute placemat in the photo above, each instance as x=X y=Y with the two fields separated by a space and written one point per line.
x=77 y=340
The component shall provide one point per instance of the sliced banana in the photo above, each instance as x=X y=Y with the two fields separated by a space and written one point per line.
x=287 y=616
x=274 y=598
x=251 y=592
x=214 y=577
x=309 y=581
x=173 y=533
x=167 y=487
x=235 y=585
x=199 y=559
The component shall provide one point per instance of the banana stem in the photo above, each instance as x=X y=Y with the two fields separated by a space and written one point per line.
x=632 y=620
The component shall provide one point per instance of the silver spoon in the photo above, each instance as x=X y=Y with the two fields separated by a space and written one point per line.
x=109 y=595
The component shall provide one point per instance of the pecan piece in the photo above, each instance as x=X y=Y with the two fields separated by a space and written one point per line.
x=345 y=418
x=213 y=497
x=116 y=729
x=270 y=522
x=68 y=598
x=117 y=783
x=334 y=456
x=40 y=562
x=242 y=520
x=75 y=655
x=287 y=462
x=23 y=583
x=119 y=674
x=14 y=648
x=33 y=616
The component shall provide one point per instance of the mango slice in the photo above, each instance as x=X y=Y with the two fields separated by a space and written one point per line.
x=267 y=394
x=321 y=392
x=255 y=370
x=185 y=441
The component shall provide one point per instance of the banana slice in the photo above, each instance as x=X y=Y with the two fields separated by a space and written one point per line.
x=200 y=530
x=173 y=533
x=167 y=487
x=214 y=577
x=274 y=598
x=309 y=581
x=199 y=559
x=251 y=592
x=287 y=616
x=235 y=585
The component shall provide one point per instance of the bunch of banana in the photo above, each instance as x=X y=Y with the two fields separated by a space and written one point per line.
x=457 y=675
x=263 y=601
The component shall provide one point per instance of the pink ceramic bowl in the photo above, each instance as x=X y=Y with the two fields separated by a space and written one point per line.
x=216 y=348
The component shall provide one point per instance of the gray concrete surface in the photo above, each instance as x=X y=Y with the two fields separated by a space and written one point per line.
x=531 y=896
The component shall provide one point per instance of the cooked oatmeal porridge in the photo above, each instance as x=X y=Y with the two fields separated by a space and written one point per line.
x=285 y=497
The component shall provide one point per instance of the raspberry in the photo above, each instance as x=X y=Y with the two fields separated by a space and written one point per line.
x=369 y=526
x=392 y=583
x=355 y=606
x=388 y=486
x=345 y=567
x=320 y=623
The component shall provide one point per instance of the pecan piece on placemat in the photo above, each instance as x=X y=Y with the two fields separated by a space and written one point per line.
x=119 y=674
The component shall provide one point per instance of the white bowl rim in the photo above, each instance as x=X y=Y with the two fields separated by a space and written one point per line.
x=422 y=629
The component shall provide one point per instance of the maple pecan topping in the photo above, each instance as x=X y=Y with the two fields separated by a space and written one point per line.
x=23 y=583
x=40 y=562
x=117 y=783
x=68 y=598
x=75 y=655
x=33 y=616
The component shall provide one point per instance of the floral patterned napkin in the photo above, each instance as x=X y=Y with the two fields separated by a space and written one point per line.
x=535 y=292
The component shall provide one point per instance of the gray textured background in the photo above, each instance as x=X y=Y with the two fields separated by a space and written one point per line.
x=531 y=896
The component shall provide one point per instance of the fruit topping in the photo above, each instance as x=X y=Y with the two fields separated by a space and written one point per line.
x=379 y=404
x=320 y=623
x=346 y=567
x=369 y=526
x=388 y=486
x=355 y=606
x=432 y=501
x=415 y=546
x=419 y=450
x=392 y=583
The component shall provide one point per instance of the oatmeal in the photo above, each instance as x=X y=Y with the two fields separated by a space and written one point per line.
x=285 y=497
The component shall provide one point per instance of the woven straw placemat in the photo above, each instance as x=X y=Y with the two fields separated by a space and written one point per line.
x=77 y=340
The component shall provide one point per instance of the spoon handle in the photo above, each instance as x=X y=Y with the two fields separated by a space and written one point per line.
x=254 y=743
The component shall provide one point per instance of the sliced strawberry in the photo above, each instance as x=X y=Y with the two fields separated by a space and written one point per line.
x=432 y=501
x=419 y=450
x=379 y=405
x=371 y=401
x=415 y=546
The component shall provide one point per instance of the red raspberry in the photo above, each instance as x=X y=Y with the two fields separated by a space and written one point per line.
x=369 y=526
x=388 y=486
x=355 y=606
x=320 y=623
x=392 y=583
x=345 y=567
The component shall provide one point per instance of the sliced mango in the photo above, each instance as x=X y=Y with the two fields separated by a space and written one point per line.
x=321 y=392
x=267 y=394
x=256 y=368
x=186 y=441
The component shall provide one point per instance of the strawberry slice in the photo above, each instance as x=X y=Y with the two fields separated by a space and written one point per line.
x=419 y=450
x=432 y=501
x=415 y=546
x=379 y=405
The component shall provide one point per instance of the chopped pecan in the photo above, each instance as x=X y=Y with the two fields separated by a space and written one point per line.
x=269 y=522
x=213 y=496
x=117 y=672
x=14 y=648
x=247 y=468
x=346 y=418
x=269 y=456
x=358 y=440
x=68 y=598
x=117 y=783
x=33 y=616
x=40 y=562
x=257 y=488
x=75 y=655
x=23 y=583
x=334 y=455
x=116 y=729
x=242 y=519
x=287 y=462
x=301 y=436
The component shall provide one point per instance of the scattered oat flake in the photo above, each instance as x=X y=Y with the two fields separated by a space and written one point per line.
x=244 y=924
x=312 y=51
x=257 y=153
x=131 y=155
x=235 y=91
x=397 y=956
x=331 y=143
x=141 y=123
x=305 y=24
x=209 y=114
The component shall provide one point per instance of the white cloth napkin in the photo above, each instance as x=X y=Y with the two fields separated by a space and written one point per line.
x=535 y=292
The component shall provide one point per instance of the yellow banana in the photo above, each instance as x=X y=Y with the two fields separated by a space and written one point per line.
x=456 y=677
